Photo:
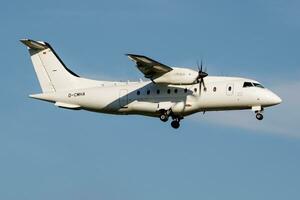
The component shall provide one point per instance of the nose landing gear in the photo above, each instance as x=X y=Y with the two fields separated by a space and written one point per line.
x=258 y=110
x=259 y=116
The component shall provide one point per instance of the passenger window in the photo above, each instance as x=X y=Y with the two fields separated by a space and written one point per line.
x=138 y=92
x=185 y=90
x=247 y=84
x=175 y=90
x=157 y=91
x=168 y=91
x=195 y=89
x=148 y=92
x=229 y=88
x=214 y=89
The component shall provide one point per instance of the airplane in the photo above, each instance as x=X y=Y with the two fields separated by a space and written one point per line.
x=170 y=92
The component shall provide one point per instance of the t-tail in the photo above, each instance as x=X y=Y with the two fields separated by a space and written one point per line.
x=51 y=72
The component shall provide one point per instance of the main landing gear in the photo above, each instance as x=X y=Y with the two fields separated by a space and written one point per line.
x=165 y=114
x=175 y=123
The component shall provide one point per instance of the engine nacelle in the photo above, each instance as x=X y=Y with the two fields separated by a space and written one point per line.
x=178 y=76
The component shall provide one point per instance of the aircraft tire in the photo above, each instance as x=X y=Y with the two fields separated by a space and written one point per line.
x=259 y=116
x=175 y=124
x=164 y=117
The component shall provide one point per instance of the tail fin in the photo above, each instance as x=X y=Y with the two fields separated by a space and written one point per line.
x=52 y=73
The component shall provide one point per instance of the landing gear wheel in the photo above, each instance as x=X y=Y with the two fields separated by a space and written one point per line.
x=259 y=116
x=164 y=117
x=165 y=114
x=175 y=124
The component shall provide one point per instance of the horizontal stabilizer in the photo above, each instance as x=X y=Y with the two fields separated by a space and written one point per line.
x=36 y=45
x=50 y=97
x=43 y=96
x=67 y=106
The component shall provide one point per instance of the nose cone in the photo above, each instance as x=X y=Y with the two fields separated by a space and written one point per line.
x=274 y=99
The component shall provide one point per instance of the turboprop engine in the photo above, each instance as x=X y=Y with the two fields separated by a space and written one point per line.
x=178 y=76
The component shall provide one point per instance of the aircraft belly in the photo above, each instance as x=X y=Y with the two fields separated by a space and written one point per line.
x=142 y=107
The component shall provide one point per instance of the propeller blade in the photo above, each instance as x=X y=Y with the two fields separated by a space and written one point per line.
x=203 y=84
x=201 y=65
x=201 y=75
x=198 y=66
x=200 y=86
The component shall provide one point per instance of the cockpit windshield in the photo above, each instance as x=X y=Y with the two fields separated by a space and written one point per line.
x=258 y=85
x=250 y=84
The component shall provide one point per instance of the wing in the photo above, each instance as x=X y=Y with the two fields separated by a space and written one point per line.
x=150 y=68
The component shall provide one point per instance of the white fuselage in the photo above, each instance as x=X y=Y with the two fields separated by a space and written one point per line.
x=148 y=98
x=172 y=92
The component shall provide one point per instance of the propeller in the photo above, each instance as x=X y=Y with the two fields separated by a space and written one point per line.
x=201 y=75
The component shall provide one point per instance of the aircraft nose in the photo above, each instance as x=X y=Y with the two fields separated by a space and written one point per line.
x=274 y=99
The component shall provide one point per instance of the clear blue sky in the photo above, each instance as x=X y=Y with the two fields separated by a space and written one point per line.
x=49 y=153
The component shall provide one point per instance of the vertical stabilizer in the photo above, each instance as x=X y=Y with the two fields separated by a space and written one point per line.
x=51 y=72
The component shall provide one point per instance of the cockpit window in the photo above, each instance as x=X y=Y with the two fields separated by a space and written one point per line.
x=247 y=84
x=258 y=85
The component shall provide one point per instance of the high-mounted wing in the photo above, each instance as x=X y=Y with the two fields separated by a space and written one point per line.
x=149 y=67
